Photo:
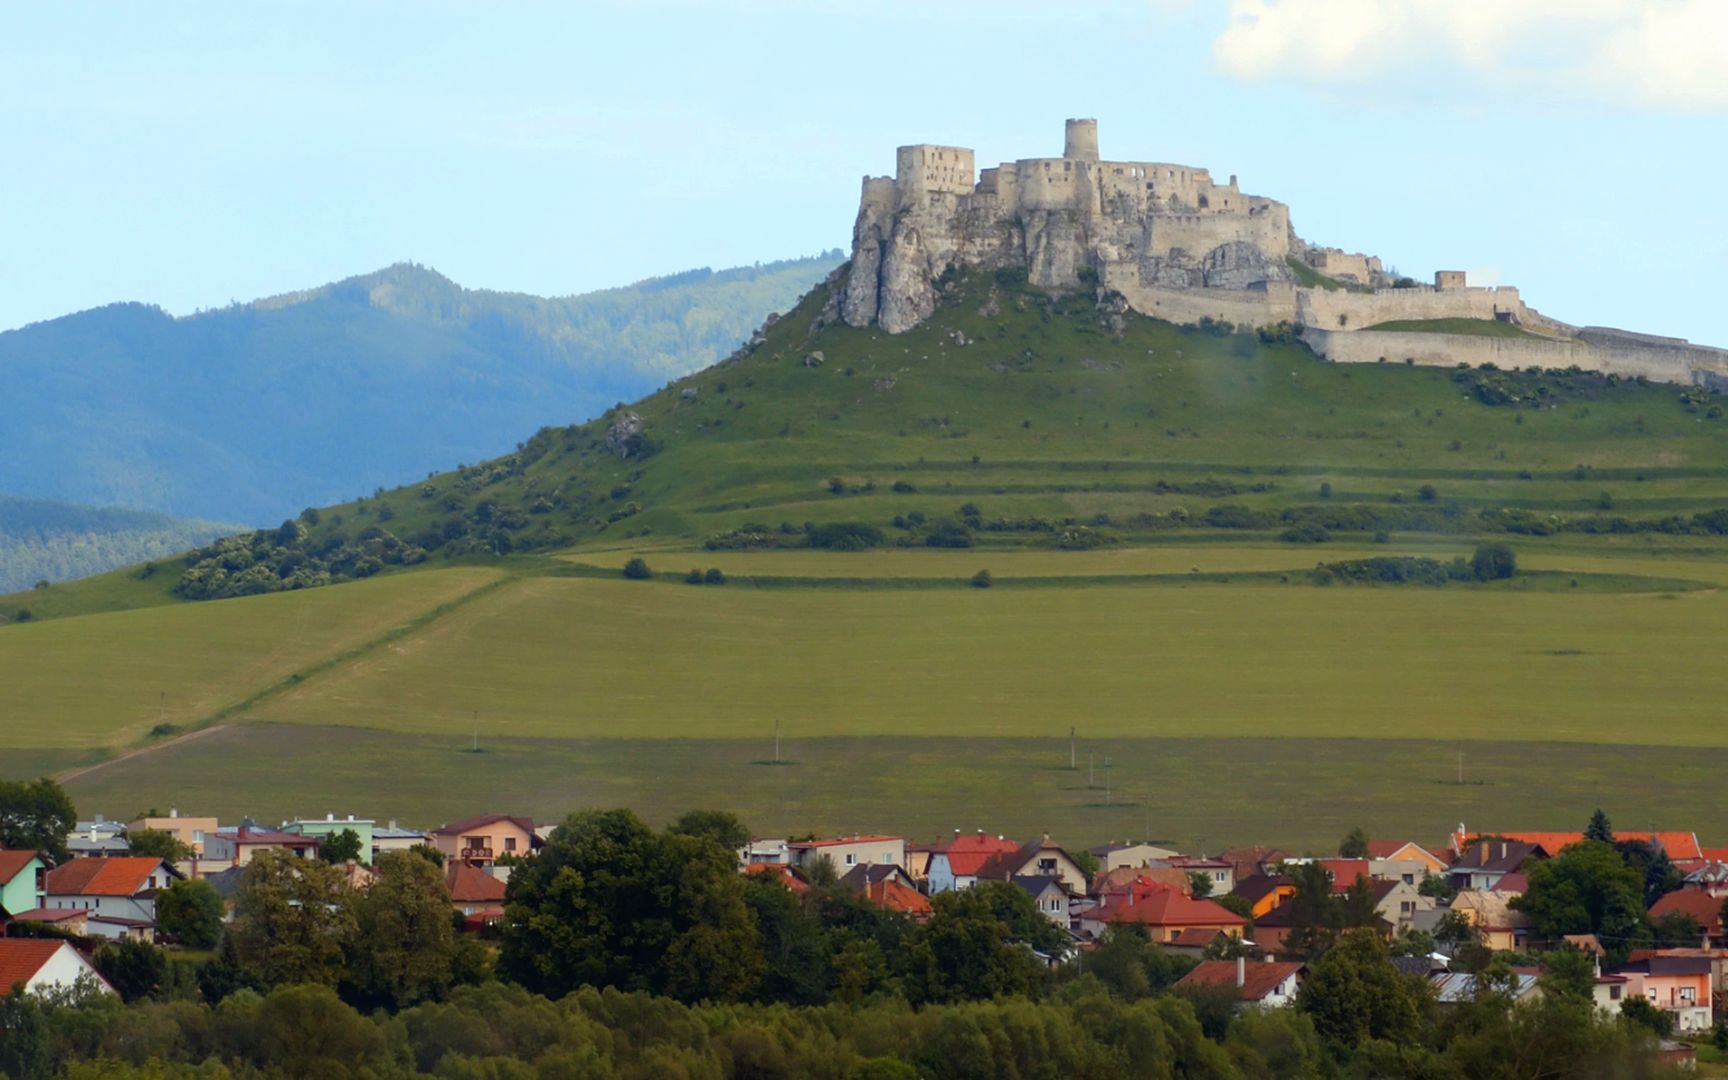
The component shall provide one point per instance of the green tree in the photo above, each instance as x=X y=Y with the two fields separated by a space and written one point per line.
x=720 y=826
x=27 y=1050
x=714 y=576
x=404 y=948
x=191 y=912
x=969 y=950
x=1199 y=885
x=1599 y=828
x=796 y=950
x=1569 y=973
x=637 y=569
x=36 y=815
x=1354 y=994
x=291 y=920
x=1586 y=889
x=1355 y=844
x=1494 y=562
x=1653 y=865
x=340 y=847
x=982 y=580
x=1639 y=1011
x=158 y=844
x=135 y=969
x=609 y=902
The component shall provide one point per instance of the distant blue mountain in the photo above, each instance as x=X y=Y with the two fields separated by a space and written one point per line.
x=251 y=412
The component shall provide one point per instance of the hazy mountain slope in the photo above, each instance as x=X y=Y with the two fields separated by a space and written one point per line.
x=43 y=540
x=254 y=411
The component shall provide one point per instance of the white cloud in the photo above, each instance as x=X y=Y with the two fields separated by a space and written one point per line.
x=1657 y=54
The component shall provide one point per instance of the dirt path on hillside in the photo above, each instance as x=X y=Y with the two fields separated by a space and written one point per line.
x=84 y=770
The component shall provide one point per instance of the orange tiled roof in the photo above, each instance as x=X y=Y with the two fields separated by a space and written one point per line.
x=1167 y=907
x=1703 y=907
x=782 y=874
x=22 y=958
x=472 y=885
x=121 y=875
x=1677 y=845
x=890 y=895
x=1258 y=978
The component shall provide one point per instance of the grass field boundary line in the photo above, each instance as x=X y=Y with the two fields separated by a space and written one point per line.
x=1599 y=582
x=215 y=720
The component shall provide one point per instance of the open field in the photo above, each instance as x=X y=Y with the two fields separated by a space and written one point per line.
x=107 y=679
x=584 y=658
x=1205 y=792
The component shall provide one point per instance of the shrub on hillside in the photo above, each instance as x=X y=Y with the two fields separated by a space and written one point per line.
x=637 y=569
x=1494 y=562
x=843 y=536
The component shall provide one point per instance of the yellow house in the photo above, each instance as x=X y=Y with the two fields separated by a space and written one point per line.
x=191 y=831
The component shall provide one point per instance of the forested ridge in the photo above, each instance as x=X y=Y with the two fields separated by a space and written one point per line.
x=250 y=412
x=45 y=540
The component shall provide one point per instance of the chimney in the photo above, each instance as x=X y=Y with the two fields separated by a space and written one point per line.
x=328 y=816
x=1241 y=972
x=173 y=811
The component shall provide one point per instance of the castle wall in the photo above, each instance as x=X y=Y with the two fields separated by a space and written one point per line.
x=926 y=169
x=1198 y=233
x=1248 y=308
x=1622 y=354
x=1342 y=310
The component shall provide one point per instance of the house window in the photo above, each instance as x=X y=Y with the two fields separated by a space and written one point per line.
x=1047 y=866
x=1614 y=993
x=1688 y=994
x=1409 y=879
x=509 y=843
x=851 y=860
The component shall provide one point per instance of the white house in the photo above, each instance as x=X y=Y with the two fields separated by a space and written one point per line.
x=119 y=894
x=43 y=965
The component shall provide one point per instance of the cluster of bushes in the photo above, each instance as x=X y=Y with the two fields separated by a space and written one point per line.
x=1491 y=562
x=1540 y=387
x=289 y=557
x=833 y=536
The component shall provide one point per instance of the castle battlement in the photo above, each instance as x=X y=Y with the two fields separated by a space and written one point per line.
x=1175 y=244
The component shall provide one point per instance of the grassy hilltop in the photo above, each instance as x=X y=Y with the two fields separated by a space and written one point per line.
x=1150 y=503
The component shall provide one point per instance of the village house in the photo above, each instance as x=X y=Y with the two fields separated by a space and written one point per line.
x=1039 y=858
x=1481 y=865
x=1108 y=882
x=780 y=872
x=1460 y=987
x=98 y=836
x=1130 y=854
x=117 y=894
x=474 y=894
x=1704 y=909
x=21 y=881
x=45 y=965
x=393 y=837
x=331 y=825
x=234 y=848
x=1250 y=861
x=1049 y=895
x=1400 y=903
x=1220 y=873
x=954 y=863
x=848 y=851
x=1489 y=913
x=1405 y=851
x=1675 y=984
x=482 y=840
x=1164 y=913
x=888 y=887
x=1265 y=892
x=190 y=831
x=1264 y=984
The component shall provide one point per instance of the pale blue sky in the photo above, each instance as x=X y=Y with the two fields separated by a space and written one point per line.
x=190 y=154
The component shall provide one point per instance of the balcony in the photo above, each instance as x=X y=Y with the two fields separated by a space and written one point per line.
x=475 y=854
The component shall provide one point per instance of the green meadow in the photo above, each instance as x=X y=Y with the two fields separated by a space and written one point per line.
x=1128 y=489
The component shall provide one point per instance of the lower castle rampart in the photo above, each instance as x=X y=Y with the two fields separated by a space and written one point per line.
x=1610 y=352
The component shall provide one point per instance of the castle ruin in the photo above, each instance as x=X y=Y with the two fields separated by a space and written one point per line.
x=1175 y=244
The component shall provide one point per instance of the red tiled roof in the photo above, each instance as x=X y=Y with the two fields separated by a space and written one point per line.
x=471 y=885
x=782 y=874
x=1697 y=903
x=1194 y=936
x=1005 y=865
x=1259 y=978
x=1712 y=854
x=969 y=852
x=121 y=875
x=1513 y=882
x=891 y=895
x=1344 y=871
x=1677 y=845
x=1125 y=879
x=50 y=915
x=22 y=958
x=1167 y=907
x=12 y=863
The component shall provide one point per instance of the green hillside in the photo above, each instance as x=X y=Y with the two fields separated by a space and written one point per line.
x=253 y=411
x=1151 y=503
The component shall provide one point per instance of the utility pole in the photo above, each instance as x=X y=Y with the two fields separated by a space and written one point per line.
x=1091 y=773
x=1460 y=768
x=1071 y=762
x=1106 y=780
x=776 y=740
x=476 y=747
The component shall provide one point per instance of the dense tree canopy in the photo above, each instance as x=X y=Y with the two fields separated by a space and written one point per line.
x=36 y=815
